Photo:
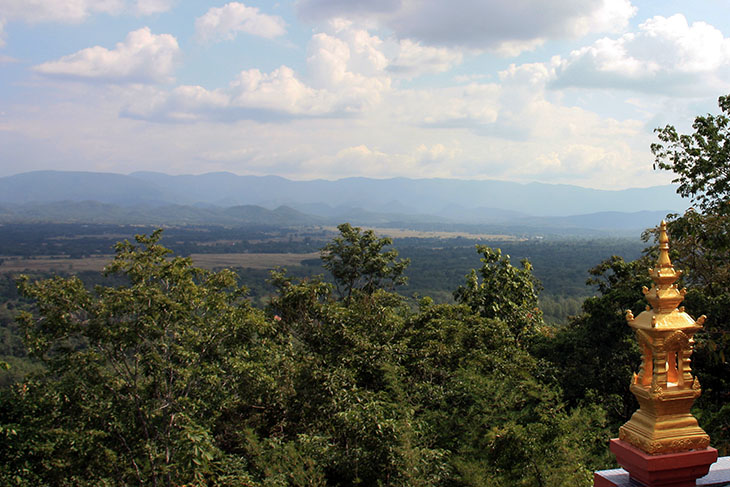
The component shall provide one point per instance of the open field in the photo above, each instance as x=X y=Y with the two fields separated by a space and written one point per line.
x=407 y=233
x=252 y=261
x=53 y=264
x=207 y=261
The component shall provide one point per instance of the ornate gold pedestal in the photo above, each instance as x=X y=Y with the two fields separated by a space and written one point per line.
x=663 y=423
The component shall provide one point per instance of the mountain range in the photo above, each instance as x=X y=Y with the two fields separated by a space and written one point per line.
x=225 y=198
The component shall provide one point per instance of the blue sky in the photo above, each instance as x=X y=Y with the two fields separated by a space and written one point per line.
x=566 y=91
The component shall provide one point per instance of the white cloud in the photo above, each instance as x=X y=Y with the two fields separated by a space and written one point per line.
x=516 y=120
x=699 y=47
x=278 y=91
x=278 y=95
x=150 y=7
x=183 y=104
x=576 y=159
x=57 y=10
x=365 y=51
x=506 y=28
x=72 y=11
x=143 y=57
x=413 y=59
x=423 y=159
x=515 y=48
x=327 y=60
x=348 y=64
x=225 y=23
x=361 y=156
x=665 y=55
x=525 y=107
x=466 y=106
x=469 y=78
x=609 y=16
x=345 y=77
x=328 y=9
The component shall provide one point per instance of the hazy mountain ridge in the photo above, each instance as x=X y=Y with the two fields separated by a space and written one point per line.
x=228 y=199
x=426 y=196
x=422 y=196
x=51 y=186
x=96 y=212
x=596 y=224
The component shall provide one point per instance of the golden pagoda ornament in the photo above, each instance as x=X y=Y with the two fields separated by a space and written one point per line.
x=664 y=386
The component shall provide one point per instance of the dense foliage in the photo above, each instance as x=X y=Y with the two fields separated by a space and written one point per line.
x=172 y=378
x=359 y=262
x=700 y=159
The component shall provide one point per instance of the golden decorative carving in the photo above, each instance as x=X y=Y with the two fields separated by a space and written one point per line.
x=643 y=338
x=656 y=389
x=654 y=447
x=664 y=386
x=677 y=341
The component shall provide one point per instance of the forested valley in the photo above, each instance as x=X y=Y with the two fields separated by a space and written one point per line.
x=335 y=373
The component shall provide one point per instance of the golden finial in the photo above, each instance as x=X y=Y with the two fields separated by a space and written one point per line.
x=663 y=262
x=664 y=295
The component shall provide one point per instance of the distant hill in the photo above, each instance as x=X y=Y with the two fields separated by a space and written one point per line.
x=51 y=186
x=420 y=196
x=228 y=199
x=95 y=212
x=396 y=195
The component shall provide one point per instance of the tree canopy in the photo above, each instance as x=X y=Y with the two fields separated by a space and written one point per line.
x=171 y=378
x=700 y=160
x=137 y=377
x=505 y=292
x=358 y=262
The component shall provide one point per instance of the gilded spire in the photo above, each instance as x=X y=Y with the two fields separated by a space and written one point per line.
x=664 y=296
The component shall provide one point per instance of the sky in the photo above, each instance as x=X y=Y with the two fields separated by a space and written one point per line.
x=565 y=91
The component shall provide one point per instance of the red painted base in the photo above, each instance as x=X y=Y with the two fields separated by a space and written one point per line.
x=665 y=470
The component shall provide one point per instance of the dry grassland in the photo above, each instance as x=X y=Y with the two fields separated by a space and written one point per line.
x=207 y=261
x=60 y=264
x=252 y=261
x=405 y=233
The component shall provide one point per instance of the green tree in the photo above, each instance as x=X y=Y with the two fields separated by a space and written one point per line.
x=358 y=262
x=701 y=248
x=595 y=355
x=505 y=292
x=140 y=378
x=485 y=402
x=701 y=160
x=439 y=397
x=351 y=405
x=171 y=378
